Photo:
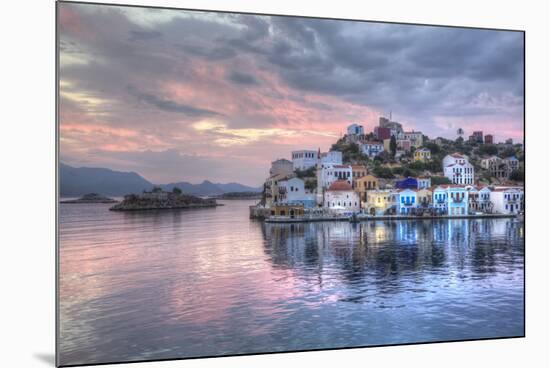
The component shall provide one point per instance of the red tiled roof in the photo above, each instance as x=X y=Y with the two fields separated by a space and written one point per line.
x=341 y=166
x=340 y=185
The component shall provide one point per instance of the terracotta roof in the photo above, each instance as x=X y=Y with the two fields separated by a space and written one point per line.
x=358 y=167
x=445 y=186
x=456 y=155
x=340 y=185
x=341 y=166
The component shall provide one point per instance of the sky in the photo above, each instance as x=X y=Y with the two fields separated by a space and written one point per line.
x=190 y=96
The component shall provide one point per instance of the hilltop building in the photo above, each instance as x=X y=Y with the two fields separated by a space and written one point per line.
x=416 y=138
x=396 y=129
x=355 y=129
x=372 y=148
x=381 y=133
x=500 y=168
x=458 y=169
x=331 y=158
x=304 y=159
x=477 y=137
x=422 y=155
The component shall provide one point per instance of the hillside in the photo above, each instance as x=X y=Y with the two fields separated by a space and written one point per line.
x=76 y=182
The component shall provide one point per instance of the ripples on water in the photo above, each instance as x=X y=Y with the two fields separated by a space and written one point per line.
x=173 y=284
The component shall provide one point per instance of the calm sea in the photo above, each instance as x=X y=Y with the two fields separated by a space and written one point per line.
x=173 y=284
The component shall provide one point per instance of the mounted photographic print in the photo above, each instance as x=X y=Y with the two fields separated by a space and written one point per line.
x=234 y=184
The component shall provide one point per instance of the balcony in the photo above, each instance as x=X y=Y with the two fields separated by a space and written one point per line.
x=440 y=201
x=407 y=204
x=458 y=199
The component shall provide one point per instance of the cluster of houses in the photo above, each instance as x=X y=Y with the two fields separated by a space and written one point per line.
x=336 y=187
x=382 y=134
x=350 y=189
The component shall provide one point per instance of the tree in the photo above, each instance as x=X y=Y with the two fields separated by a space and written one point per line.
x=487 y=149
x=507 y=152
x=177 y=190
x=438 y=180
x=383 y=172
x=434 y=148
x=393 y=145
x=307 y=173
x=311 y=185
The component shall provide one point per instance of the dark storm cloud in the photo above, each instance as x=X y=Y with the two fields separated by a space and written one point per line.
x=409 y=68
x=242 y=78
x=211 y=54
x=308 y=75
x=144 y=35
x=171 y=106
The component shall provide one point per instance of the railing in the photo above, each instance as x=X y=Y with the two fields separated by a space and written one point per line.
x=458 y=200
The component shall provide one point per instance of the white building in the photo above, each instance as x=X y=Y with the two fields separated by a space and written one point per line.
x=407 y=201
x=479 y=198
x=508 y=200
x=331 y=158
x=416 y=138
x=424 y=182
x=355 y=129
x=340 y=197
x=331 y=173
x=292 y=191
x=372 y=149
x=458 y=169
x=328 y=174
x=304 y=159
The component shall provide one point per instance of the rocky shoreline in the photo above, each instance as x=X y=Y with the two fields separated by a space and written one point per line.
x=161 y=200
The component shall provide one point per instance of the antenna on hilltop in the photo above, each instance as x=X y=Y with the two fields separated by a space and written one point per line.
x=390 y=115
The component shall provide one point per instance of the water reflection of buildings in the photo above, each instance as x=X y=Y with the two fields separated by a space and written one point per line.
x=391 y=252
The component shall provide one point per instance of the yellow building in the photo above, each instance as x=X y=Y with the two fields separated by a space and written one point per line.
x=271 y=187
x=358 y=171
x=291 y=211
x=424 y=197
x=422 y=154
x=364 y=184
x=378 y=201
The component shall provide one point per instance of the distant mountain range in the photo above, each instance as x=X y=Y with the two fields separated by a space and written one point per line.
x=75 y=182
